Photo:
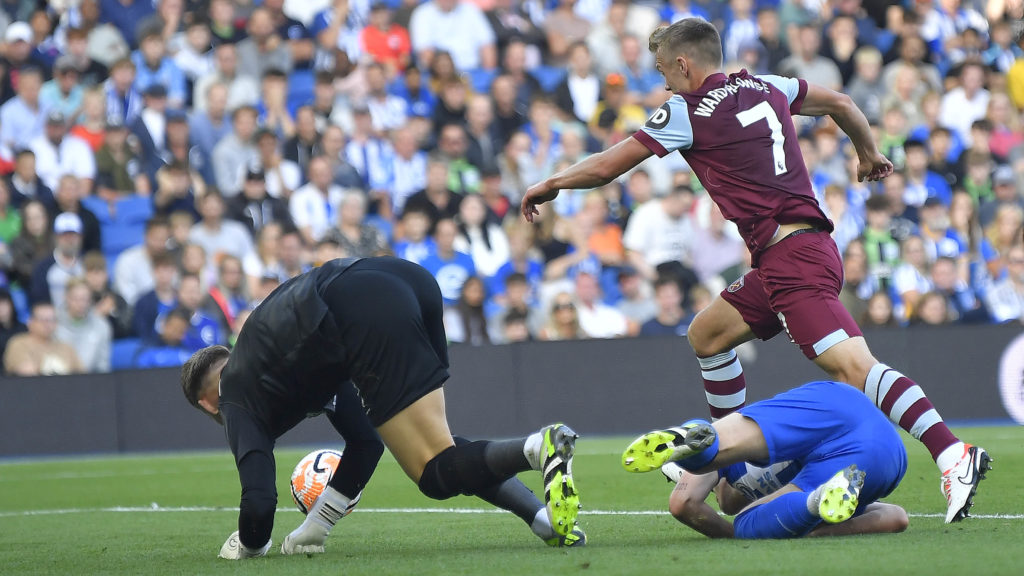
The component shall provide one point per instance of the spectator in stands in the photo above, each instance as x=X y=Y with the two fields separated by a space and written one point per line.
x=191 y=51
x=966 y=103
x=90 y=123
x=1000 y=236
x=209 y=125
x=91 y=72
x=857 y=288
x=282 y=177
x=452 y=96
x=68 y=197
x=1005 y=299
x=107 y=303
x=236 y=151
x=366 y=151
x=51 y=276
x=577 y=95
x=661 y=233
x=154 y=66
x=563 y=321
x=458 y=27
x=978 y=176
x=516 y=299
x=596 y=318
x=10 y=325
x=10 y=224
x=304 y=144
x=912 y=277
x=239 y=323
x=1004 y=192
x=63 y=93
x=842 y=44
x=637 y=303
x=515 y=328
x=482 y=144
x=22 y=118
x=437 y=199
x=25 y=185
x=264 y=257
x=351 y=233
x=465 y=322
x=512 y=22
x=463 y=176
x=408 y=168
x=118 y=167
x=273 y=104
x=332 y=146
x=605 y=39
x=516 y=166
x=123 y=99
x=151 y=307
x=670 y=319
x=168 y=349
x=615 y=118
x=264 y=48
x=79 y=326
x=450 y=267
x=298 y=39
x=314 y=207
x=385 y=41
x=866 y=88
x=126 y=16
x=480 y=237
x=34 y=243
x=242 y=89
x=880 y=312
x=58 y=153
x=291 y=260
x=806 y=62
x=133 y=269
x=961 y=302
x=228 y=296
x=387 y=111
x=520 y=86
x=150 y=128
x=37 y=352
x=203 y=329
x=509 y=110
x=939 y=238
x=173 y=190
x=564 y=28
x=216 y=234
x=931 y=310
x=912 y=51
x=254 y=207
x=415 y=244
x=603 y=235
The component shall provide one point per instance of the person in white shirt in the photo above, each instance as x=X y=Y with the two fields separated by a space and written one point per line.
x=1005 y=299
x=659 y=232
x=314 y=207
x=79 y=326
x=216 y=235
x=22 y=117
x=966 y=103
x=483 y=240
x=458 y=27
x=133 y=269
x=598 y=319
x=59 y=153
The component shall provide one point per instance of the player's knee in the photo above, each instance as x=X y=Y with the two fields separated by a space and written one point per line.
x=679 y=506
x=434 y=482
x=899 y=520
x=257 y=510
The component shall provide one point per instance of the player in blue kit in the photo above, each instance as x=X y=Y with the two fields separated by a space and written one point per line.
x=844 y=456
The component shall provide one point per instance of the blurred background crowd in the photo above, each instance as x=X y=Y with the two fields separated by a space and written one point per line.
x=167 y=163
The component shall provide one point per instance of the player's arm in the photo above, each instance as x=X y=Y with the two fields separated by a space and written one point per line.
x=688 y=505
x=593 y=172
x=254 y=457
x=877 y=518
x=821 y=101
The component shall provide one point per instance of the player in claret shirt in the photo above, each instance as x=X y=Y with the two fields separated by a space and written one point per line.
x=736 y=132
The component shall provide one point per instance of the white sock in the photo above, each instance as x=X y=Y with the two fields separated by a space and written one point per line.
x=541 y=525
x=814 y=500
x=532 y=448
x=330 y=507
x=950 y=456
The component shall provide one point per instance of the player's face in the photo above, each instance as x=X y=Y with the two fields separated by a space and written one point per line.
x=209 y=398
x=671 y=68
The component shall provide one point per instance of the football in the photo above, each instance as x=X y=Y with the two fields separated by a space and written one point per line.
x=311 y=476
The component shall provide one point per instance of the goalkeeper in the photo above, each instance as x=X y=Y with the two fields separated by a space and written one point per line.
x=368 y=332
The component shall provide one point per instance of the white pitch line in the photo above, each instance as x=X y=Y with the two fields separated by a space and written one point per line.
x=585 y=512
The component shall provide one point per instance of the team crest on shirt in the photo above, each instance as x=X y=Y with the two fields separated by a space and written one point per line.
x=736 y=285
x=660 y=118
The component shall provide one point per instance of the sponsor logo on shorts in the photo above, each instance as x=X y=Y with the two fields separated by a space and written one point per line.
x=1011 y=379
x=660 y=118
x=735 y=286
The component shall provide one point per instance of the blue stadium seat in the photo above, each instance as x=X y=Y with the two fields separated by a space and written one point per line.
x=123 y=352
x=548 y=76
x=300 y=89
x=480 y=79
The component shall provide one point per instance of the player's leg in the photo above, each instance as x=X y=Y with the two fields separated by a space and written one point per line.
x=363 y=449
x=421 y=442
x=804 y=276
x=699 y=446
x=739 y=314
x=877 y=518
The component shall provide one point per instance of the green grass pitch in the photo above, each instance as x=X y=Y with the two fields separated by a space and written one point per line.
x=169 y=514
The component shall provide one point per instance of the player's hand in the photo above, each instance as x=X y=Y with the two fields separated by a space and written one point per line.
x=873 y=168
x=535 y=196
x=233 y=549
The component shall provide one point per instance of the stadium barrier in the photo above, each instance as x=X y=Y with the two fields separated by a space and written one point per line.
x=598 y=386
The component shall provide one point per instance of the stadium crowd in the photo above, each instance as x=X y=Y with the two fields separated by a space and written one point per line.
x=168 y=163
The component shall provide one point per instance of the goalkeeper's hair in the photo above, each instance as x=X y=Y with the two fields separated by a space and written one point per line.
x=195 y=370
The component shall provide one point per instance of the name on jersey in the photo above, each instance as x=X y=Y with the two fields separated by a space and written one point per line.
x=709 y=102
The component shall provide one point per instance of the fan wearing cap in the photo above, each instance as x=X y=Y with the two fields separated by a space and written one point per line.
x=1005 y=190
x=59 y=153
x=254 y=207
x=118 y=170
x=20 y=53
x=615 y=117
x=50 y=277
x=22 y=117
x=64 y=92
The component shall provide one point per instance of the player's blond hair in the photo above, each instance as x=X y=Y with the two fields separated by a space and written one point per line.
x=695 y=37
